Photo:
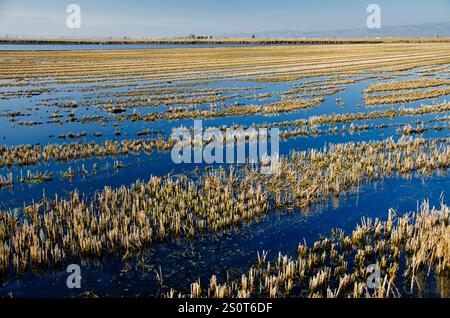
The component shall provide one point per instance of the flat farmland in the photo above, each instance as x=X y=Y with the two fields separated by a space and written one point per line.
x=87 y=173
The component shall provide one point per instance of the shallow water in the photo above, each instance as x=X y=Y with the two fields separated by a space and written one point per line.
x=82 y=47
x=235 y=250
x=183 y=262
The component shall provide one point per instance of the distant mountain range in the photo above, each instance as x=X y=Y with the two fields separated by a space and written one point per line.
x=422 y=30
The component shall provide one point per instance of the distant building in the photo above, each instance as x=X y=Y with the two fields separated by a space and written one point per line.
x=200 y=37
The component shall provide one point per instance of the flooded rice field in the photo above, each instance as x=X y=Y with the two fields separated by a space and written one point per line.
x=87 y=175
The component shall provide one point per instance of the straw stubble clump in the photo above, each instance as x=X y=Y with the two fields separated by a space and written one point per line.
x=308 y=176
x=338 y=266
x=125 y=220
x=23 y=155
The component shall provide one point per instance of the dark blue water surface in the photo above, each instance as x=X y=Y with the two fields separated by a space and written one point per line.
x=185 y=261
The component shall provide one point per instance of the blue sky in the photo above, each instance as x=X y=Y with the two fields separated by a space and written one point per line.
x=168 y=18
